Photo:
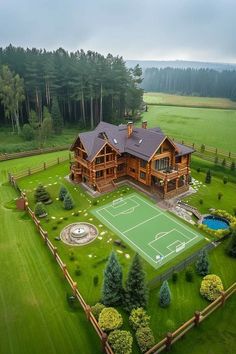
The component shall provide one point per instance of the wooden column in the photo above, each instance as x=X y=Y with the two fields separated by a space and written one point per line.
x=88 y=311
x=177 y=183
x=197 y=315
x=104 y=340
x=168 y=341
x=223 y=297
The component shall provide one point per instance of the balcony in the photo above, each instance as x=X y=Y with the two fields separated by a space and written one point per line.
x=170 y=173
x=105 y=165
x=81 y=161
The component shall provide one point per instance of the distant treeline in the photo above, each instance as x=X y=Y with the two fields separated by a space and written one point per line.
x=198 y=82
x=88 y=86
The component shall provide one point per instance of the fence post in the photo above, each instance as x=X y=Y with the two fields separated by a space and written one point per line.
x=55 y=251
x=45 y=237
x=168 y=341
x=58 y=160
x=29 y=171
x=229 y=154
x=197 y=315
x=223 y=298
x=64 y=269
x=88 y=311
x=74 y=287
x=44 y=165
x=104 y=341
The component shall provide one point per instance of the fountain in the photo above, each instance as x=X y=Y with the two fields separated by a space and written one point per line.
x=79 y=234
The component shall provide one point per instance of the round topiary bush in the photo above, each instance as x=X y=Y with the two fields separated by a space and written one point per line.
x=110 y=319
x=139 y=318
x=121 y=341
x=211 y=287
x=145 y=338
x=97 y=309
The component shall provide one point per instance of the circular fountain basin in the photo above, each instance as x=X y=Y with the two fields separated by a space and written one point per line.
x=78 y=234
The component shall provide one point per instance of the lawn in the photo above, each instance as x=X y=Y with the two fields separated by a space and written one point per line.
x=160 y=98
x=132 y=217
x=34 y=314
x=212 y=127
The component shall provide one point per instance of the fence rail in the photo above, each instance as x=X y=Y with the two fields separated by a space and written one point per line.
x=199 y=316
x=73 y=285
x=17 y=155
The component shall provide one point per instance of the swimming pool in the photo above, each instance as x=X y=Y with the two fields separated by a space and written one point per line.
x=215 y=222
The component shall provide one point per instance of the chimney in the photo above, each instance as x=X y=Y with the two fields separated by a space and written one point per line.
x=130 y=126
x=144 y=124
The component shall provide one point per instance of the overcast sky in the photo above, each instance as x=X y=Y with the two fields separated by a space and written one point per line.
x=136 y=29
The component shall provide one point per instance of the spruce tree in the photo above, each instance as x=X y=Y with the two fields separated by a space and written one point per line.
x=56 y=117
x=41 y=195
x=62 y=193
x=202 y=264
x=164 y=295
x=68 y=202
x=208 y=177
x=136 y=292
x=112 y=290
x=232 y=244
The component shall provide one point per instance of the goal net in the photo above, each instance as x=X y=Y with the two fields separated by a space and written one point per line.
x=180 y=247
x=118 y=201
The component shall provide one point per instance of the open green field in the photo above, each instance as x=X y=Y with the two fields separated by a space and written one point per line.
x=155 y=234
x=212 y=127
x=160 y=98
x=34 y=314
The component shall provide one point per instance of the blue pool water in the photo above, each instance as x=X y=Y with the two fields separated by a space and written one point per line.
x=215 y=222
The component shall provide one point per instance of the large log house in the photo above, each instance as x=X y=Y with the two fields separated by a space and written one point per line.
x=147 y=156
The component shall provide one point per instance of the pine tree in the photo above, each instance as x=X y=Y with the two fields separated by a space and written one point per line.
x=208 y=177
x=41 y=195
x=40 y=210
x=68 y=202
x=62 y=193
x=136 y=292
x=164 y=295
x=232 y=244
x=112 y=290
x=202 y=263
x=56 y=117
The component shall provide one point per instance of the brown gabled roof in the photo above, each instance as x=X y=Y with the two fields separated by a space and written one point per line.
x=142 y=143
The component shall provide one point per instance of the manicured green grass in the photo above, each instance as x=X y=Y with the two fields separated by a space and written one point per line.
x=34 y=314
x=212 y=127
x=160 y=98
x=135 y=217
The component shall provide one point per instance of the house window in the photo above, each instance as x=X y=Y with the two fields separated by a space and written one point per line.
x=178 y=159
x=99 y=160
x=162 y=164
x=132 y=170
x=120 y=167
x=99 y=174
x=143 y=163
x=143 y=175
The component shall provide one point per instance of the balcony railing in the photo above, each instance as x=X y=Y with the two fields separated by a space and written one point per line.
x=170 y=174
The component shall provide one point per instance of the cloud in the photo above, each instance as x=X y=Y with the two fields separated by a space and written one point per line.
x=135 y=29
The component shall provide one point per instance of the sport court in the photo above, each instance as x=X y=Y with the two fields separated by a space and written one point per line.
x=153 y=233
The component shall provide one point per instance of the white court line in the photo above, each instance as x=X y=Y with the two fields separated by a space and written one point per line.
x=119 y=232
x=141 y=223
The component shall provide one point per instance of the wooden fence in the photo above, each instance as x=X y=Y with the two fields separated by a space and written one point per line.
x=102 y=335
x=41 y=167
x=17 y=155
x=199 y=316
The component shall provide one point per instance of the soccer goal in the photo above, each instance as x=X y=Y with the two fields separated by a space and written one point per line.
x=159 y=257
x=180 y=247
x=117 y=202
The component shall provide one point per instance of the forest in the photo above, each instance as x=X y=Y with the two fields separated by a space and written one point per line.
x=55 y=88
x=195 y=82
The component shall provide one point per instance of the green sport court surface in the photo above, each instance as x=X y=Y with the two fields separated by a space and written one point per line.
x=153 y=233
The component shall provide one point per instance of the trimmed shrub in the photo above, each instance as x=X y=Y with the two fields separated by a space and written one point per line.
x=211 y=287
x=139 y=318
x=62 y=193
x=97 y=309
x=68 y=202
x=121 y=342
x=145 y=338
x=77 y=269
x=202 y=263
x=71 y=254
x=39 y=210
x=95 y=280
x=110 y=319
x=203 y=148
x=41 y=195
x=208 y=177
x=201 y=201
x=164 y=295
x=189 y=274
x=219 y=195
x=174 y=277
x=225 y=180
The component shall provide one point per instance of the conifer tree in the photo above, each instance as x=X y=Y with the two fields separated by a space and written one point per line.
x=68 y=202
x=208 y=177
x=202 y=264
x=41 y=195
x=56 y=117
x=62 y=193
x=164 y=295
x=112 y=291
x=136 y=292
